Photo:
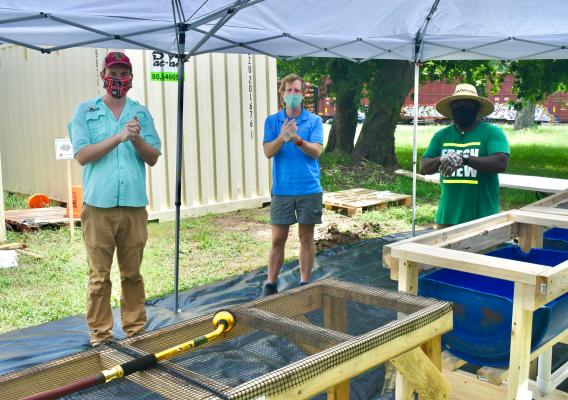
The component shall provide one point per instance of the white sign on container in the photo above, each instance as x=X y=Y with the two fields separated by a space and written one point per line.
x=63 y=149
x=163 y=67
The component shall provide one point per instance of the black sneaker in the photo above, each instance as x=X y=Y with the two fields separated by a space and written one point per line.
x=101 y=342
x=269 y=289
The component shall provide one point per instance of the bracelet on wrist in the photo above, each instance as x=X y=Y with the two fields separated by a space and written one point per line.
x=300 y=142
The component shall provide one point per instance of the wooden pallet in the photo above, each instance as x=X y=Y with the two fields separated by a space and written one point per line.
x=34 y=218
x=355 y=200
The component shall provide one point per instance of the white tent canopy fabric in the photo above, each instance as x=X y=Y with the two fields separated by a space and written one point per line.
x=355 y=29
x=358 y=30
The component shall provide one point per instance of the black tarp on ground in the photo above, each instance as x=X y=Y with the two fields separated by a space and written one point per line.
x=358 y=263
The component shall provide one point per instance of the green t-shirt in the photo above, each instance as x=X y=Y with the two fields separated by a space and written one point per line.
x=468 y=194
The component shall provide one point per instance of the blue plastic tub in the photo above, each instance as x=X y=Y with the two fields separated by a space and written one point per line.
x=483 y=307
x=556 y=238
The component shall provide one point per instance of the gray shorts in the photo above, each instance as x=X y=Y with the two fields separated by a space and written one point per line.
x=304 y=209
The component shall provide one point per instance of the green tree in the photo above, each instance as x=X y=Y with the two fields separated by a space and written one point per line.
x=347 y=79
x=389 y=83
x=534 y=80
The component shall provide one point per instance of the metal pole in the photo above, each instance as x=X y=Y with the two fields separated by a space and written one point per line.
x=414 y=149
x=181 y=56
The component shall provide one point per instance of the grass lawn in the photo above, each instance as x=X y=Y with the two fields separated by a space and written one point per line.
x=54 y=287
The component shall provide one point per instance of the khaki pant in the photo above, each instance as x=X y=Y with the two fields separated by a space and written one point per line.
x=104 y=229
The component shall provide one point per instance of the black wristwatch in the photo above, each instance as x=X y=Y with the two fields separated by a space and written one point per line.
x=465 y=159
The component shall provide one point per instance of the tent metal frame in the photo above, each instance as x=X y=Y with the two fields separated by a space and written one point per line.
x=220 y=18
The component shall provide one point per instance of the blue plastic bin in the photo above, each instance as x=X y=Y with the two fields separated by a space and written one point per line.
x=483 y=309
x=556 y=238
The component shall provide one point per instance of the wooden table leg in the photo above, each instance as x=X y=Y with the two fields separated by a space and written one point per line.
x=407 y=282
x=518 y=388
x=339 y=392
x=530 y=236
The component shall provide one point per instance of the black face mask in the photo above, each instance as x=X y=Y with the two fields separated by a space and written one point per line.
x=464 y=116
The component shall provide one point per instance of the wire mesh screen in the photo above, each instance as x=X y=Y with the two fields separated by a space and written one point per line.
x=277 y=343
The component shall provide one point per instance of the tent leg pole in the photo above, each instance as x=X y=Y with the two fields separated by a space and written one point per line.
x=181 y=48
x=414 y=149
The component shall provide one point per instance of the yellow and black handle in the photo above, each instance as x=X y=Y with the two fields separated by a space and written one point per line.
x=223 y=321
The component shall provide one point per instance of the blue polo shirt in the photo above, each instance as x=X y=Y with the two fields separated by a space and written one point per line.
x=119 y=177
x=293 y=172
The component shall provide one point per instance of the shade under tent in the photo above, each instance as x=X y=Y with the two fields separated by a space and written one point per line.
x=358 y=30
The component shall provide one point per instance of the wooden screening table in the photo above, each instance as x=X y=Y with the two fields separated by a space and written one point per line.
x=534 y=285
x=334 y=323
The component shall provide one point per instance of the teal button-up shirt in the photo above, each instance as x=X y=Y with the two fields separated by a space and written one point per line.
x=119 y=177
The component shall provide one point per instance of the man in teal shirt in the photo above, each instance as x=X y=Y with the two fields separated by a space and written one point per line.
x=113 y=138
x=469 y=155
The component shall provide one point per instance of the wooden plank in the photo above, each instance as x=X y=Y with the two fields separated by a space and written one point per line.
x=403 y=388
x=339 y=392
x=530 y=236
x=555 y=281
x=335 y=313
x=447 y=236
x=33 y=218
x=466 y=386
x=511 y=270
x=451 y=362
x=296 y=331
x=308 y=299
x=408 y=277
x=519 y=360
x=520 y=182
x=551 y=201
x=560 y=338
x=422 y=375
x=476 y=242
x=293 y=388
x=375 y=297
x=538 y=218
x=407 y=282
x=485 y=239
x=433 y=349
x=495 y=376
x=547 y=210
x=355 y=200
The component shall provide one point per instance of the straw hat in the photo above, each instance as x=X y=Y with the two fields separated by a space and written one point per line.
x=464 y=91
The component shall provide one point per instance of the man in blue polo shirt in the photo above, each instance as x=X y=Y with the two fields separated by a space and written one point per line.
x=293 y=138
x=113 y=138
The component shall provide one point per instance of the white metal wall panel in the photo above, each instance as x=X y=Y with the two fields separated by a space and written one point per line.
x=227 y=97
x=2 y=220
x=235 y=128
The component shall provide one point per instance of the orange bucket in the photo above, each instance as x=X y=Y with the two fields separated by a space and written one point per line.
x=38 y=201
x=77 y=195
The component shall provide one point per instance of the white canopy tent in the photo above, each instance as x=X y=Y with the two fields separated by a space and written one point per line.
x=358 y=30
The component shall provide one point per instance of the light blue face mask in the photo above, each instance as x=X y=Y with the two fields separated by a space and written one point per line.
x=293 y=100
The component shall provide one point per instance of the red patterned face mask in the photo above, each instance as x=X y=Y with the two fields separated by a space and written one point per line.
x=117 y=87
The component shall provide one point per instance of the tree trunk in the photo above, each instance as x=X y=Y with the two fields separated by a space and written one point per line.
x=346 y=82
x=342 y=132
x=525 y=117
x=387 y=90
